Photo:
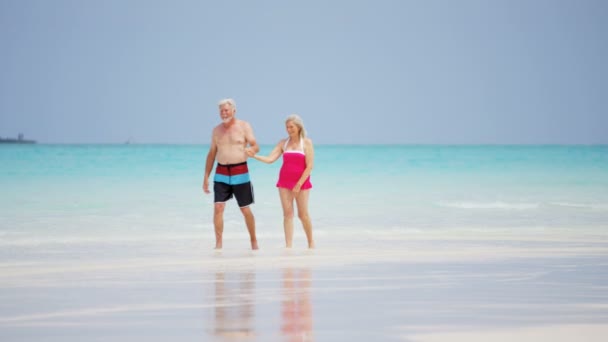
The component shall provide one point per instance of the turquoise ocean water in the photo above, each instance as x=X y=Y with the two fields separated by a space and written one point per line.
x=66 y=194
x=116 y=242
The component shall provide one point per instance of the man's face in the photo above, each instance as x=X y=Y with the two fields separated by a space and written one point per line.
x=226 y=113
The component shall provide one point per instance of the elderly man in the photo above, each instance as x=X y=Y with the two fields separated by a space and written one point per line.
x=230 y=143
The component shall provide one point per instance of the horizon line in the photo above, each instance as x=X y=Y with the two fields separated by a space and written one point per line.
x=329 y=144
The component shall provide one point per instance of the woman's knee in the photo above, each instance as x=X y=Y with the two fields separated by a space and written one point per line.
x=303 y=216
x=288 y=213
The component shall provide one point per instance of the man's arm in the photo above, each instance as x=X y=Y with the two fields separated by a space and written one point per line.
x=209 y=163
x=250 y=138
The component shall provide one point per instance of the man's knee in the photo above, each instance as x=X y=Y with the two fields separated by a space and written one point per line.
x=246 y=211
x=218 y=208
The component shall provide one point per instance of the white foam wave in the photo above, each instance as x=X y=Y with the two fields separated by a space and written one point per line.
x=501 y=205
x=490 y=205
x=141 y=239
x=579 y=205
x=34 y=240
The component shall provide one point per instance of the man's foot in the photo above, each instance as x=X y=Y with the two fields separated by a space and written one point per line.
x=254 y=245
x=311 y=245
x=218 y=245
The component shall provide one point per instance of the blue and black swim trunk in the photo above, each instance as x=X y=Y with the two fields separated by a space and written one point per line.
x=233 y=179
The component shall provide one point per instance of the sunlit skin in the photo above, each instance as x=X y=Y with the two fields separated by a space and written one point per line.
x=288 y=196
x=229 y=146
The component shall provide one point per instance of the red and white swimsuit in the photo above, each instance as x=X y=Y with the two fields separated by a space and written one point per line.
x=294 y=164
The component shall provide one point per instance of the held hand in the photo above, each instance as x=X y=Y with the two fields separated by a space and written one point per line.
x=206 y=186
x=250 y=152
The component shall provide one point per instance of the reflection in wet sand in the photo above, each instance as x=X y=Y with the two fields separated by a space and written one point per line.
x=296 y=308
x=234 y=306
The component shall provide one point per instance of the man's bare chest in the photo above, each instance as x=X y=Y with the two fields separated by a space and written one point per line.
x=232 y=136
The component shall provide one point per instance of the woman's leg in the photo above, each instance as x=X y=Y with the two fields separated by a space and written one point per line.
x=287 y=204
x=302 y=202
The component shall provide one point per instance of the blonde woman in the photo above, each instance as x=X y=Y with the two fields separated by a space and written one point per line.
x=294 y=177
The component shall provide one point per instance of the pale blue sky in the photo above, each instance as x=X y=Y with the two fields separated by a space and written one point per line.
x=437 y=72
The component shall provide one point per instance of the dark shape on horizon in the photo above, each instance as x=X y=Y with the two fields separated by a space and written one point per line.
x=19 y=140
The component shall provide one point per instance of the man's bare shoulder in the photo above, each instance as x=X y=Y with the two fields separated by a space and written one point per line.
x=217 y=129
x=243 y=123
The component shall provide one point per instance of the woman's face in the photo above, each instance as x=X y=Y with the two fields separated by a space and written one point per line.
x=291 y=128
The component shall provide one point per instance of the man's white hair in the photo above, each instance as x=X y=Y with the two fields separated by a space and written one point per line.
x=227 y=101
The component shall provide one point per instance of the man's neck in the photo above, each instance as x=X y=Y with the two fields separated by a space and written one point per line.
x=229 y=123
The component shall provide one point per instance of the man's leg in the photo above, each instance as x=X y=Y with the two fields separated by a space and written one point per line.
x=250 y=222
x=218 y=222
x=244 y=197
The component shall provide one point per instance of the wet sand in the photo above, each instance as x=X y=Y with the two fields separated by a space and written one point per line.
x=423 y=288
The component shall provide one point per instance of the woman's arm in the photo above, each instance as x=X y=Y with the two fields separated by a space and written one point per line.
x=310 y=158
x=273 y=156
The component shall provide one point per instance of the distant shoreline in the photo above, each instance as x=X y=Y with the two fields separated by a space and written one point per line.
x=19 y=140
x=16 y=141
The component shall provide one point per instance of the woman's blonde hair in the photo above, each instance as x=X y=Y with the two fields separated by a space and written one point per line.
x=297 y=120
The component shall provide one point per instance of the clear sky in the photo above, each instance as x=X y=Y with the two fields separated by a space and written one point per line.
x=381 y=71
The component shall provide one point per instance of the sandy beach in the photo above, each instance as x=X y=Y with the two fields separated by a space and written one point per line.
x=424 y=288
